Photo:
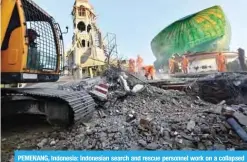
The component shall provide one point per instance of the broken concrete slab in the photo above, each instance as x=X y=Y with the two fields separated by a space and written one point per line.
x=42 y=143
x=228 y=111
x=142 y=143
x=152 y=146
x=138 y=88
x=191 y=125
x=219 y=147
x=222 y=86
x=241 y=118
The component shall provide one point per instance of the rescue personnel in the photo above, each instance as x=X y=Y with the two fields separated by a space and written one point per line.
x=139 y=63
x=185 y=63
x=221 y=62
x=149 y=71
x=172 y=65
x=131 y=65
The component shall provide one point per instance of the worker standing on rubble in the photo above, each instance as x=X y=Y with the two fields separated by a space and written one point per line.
x=132 y=66
x=185 y=63
x=149 y=71
x=221 y=62
x=139 y=63
x=172 y=65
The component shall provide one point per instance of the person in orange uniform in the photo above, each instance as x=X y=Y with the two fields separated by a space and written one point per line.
x=221 y=62
x=149 y=71
x=185 y=63
x=172 y=65
x=132 y=65
x=139 y=63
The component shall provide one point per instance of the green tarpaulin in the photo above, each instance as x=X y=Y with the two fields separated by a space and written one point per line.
x=204 y=31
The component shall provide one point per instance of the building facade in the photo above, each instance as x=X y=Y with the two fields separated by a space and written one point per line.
x=86 y=55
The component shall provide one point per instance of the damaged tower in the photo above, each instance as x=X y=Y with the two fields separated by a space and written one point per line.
x=86 y=56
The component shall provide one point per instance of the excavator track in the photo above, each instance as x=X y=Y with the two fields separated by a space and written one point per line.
x=61 y=107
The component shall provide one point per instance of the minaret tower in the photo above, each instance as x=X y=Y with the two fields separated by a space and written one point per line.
x=83 y=37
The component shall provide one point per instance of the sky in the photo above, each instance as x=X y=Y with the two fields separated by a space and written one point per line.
x=137 y=22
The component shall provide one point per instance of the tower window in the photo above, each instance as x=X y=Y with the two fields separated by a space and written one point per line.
x=89 y=28
x=82 y=11
x=88 y=43
x=83 y=43
x=81 y=26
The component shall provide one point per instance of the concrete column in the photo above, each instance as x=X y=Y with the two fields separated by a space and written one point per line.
x=91 y=72
x=78 y=73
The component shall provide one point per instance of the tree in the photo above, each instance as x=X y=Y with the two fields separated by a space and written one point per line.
x=110 y=49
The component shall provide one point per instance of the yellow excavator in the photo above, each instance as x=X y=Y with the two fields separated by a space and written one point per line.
x=31 y=52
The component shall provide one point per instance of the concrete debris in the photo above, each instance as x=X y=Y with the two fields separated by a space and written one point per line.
x=119 y=87
x=127 y=84
x=145 y=123
x=11 y=159
x=131 y=117
x=137 y=88
x=102 y=114
x=217 y=110
x=242 y=119
x=42 y=143
x=222 y=102
x=151 y=119
x=142 y=143
x=219 y=147
x=124 y=83
x=191 y=125
x=52 y=143
x=228 y=111
x=231 y=87
x=152 y=146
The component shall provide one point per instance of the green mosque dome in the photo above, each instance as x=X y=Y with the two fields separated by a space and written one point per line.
x=204 y=31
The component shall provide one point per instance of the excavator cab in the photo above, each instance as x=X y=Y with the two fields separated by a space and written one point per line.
x=31 y=52
x=31 y=43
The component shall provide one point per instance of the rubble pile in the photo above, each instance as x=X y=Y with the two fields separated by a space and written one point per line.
x=112 y=74
x=138 y=116
x=231 y=87
x=153 y=119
